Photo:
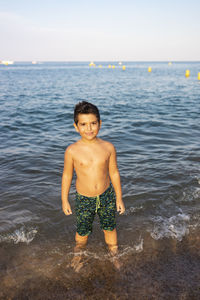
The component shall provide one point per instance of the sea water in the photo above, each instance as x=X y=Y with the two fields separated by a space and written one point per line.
x=153 y=120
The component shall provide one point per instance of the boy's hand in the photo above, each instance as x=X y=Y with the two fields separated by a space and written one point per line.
x=120 y=207
x=67 y=209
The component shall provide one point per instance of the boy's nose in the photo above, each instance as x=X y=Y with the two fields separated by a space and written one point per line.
x=89 y=127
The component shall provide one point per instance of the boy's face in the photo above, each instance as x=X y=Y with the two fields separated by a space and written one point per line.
x=87 y=126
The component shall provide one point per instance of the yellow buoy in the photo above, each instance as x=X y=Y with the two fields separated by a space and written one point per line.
x=92 y=64
x=100 y=66
x=113 y=67
x=187 y=73
x=149 y=69
x=109 y=66
x=124 y=68
x=199 y=76
x=170 y=63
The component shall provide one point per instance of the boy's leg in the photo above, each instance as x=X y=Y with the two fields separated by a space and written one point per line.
x=85 y=213
x=111 y=240
x=81 y=242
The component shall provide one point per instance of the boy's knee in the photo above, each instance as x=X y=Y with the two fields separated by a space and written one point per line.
x=110 y=237
x=110 y=234
x=81 y=240
x=109 y=231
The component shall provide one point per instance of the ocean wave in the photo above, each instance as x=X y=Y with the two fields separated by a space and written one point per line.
x=192 y=195
x=22 y=235
x=175 y=227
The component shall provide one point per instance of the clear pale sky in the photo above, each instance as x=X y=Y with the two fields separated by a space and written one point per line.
x=100 y=30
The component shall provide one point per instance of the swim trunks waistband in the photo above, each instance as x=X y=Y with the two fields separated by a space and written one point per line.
x=110 y=186
x=97 y=197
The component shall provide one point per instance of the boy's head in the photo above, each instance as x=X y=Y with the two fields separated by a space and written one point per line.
x=85 y=108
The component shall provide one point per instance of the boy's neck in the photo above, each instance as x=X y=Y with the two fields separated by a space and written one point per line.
x=90 y=141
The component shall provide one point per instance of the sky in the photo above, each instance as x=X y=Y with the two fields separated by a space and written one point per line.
x=100 y=30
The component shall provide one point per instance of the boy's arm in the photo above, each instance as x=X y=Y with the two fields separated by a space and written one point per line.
x=115 y=179
x=66 y=181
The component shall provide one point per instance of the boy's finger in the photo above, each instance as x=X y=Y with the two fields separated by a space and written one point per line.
x=68 y=212
x=121 y=211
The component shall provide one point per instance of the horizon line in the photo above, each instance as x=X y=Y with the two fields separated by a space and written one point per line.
x=37 y=61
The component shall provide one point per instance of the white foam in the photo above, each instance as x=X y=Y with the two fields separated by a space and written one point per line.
x=22 y=235
x=196 y=193
x=198 y=179
x=132 y=210
x=191 y=195
x=139 y=247
x=175 y=227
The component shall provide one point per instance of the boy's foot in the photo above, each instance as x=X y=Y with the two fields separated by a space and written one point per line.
x=76 y=263
x=114 y=257
x=116 y=262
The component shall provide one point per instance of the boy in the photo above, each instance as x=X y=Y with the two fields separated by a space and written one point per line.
x=95 y=164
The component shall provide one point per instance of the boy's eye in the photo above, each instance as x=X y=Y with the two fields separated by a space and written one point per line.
x=82 y=124
x=94 y=123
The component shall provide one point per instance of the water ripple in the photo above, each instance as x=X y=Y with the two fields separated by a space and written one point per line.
x=152 y=119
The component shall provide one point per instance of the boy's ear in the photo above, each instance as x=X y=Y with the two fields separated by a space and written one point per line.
x=100 y=122
x=75 y=126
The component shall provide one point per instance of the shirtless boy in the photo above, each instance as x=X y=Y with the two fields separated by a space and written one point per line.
x=94 y=161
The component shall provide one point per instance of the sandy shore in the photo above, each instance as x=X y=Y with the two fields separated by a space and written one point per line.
x=163 y=269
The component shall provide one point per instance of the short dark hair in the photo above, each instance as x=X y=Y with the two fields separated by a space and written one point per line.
x=85 y=107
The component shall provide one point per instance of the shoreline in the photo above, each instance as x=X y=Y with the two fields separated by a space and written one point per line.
x=163 y=269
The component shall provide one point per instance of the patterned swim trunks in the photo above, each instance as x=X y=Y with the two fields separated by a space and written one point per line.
x=87 y=207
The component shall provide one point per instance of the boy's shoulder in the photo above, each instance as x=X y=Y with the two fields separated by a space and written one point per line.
x=71 y=147
x=107 y=144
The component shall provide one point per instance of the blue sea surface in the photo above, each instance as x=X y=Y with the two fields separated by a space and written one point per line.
x=152 y=118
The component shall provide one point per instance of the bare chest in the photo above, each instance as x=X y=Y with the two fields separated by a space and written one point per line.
x=91 y=159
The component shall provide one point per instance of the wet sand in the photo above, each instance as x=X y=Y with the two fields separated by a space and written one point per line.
x=163 y=269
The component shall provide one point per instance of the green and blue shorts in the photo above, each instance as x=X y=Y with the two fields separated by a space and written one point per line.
x=87 y=207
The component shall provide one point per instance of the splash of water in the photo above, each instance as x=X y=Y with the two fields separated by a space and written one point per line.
x=22 y=235
x=175 y=227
